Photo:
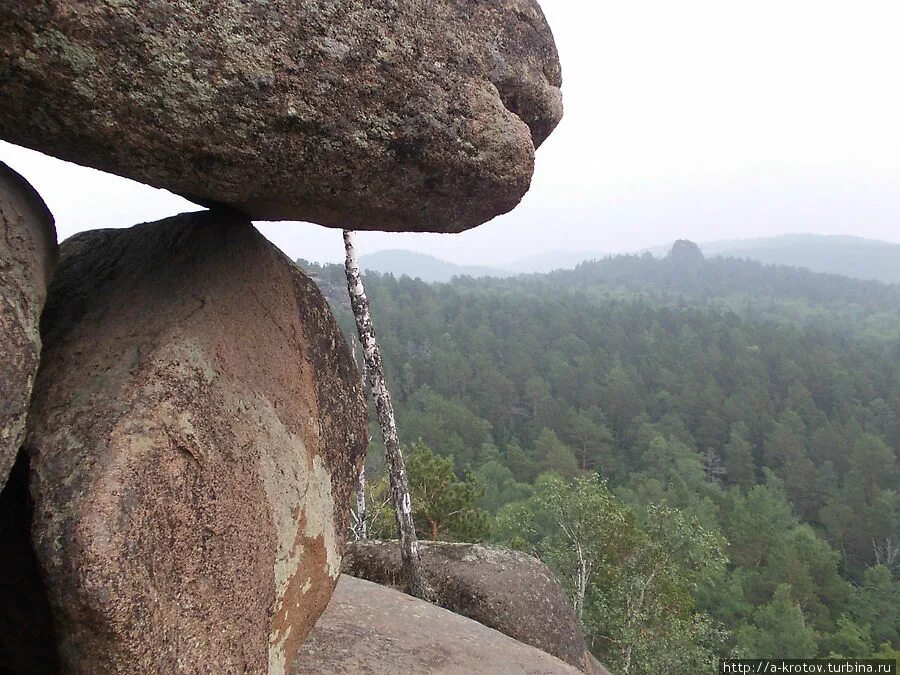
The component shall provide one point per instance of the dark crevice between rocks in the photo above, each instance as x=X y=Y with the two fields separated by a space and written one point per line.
x=27 y=645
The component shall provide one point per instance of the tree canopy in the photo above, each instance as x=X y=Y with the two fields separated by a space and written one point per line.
x=682 y=417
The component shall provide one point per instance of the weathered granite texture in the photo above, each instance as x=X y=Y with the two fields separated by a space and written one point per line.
x=365 y=114
x=196 y=429
x=27 y=257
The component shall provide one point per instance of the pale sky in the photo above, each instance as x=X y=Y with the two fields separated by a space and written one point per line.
x=701 y=119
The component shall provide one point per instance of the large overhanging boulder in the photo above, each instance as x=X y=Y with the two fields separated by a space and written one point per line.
x=379 y=114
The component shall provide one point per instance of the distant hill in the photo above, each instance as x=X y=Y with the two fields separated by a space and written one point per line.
x=849 y=256
x=429 y=268
x=423 y=266
x=550 y=261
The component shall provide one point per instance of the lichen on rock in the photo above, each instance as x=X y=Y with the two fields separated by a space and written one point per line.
x=390 y=115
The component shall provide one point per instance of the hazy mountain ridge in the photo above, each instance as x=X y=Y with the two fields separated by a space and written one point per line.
x=550 y=261
x=848 y=256
x=423 y=266
x=754 y=290
x=415 y=265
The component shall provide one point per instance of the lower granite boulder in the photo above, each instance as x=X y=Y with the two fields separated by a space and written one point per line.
x=508 y=591
x=194 y=437
x=27 y=256
x=372 y=629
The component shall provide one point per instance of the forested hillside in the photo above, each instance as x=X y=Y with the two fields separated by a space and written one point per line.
x=704 y=450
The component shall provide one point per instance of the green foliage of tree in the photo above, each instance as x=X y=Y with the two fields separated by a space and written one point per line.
x=779 y=627
x=771 y=549
x=876 y=604
x=522 y=465
x=444 y=505
x=555 y=455
x=631 y=576
x=850 y=640
x=740 y=466
x=498 y=485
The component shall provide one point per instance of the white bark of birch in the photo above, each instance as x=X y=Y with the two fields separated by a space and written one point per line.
x=361 y=530
x=360 y=527
x=409 y=545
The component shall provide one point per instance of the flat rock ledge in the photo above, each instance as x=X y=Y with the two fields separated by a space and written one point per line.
x=368 y=628
x=506 y=590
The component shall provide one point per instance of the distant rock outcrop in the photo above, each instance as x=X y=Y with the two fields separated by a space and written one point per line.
x=505 y=590
x=389 y=115
x=686 y=254
x=371 y=629
x=27 y=257
x=195 y=433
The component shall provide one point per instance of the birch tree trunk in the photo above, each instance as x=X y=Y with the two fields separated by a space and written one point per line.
x=409 y=545
x=360 y=529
